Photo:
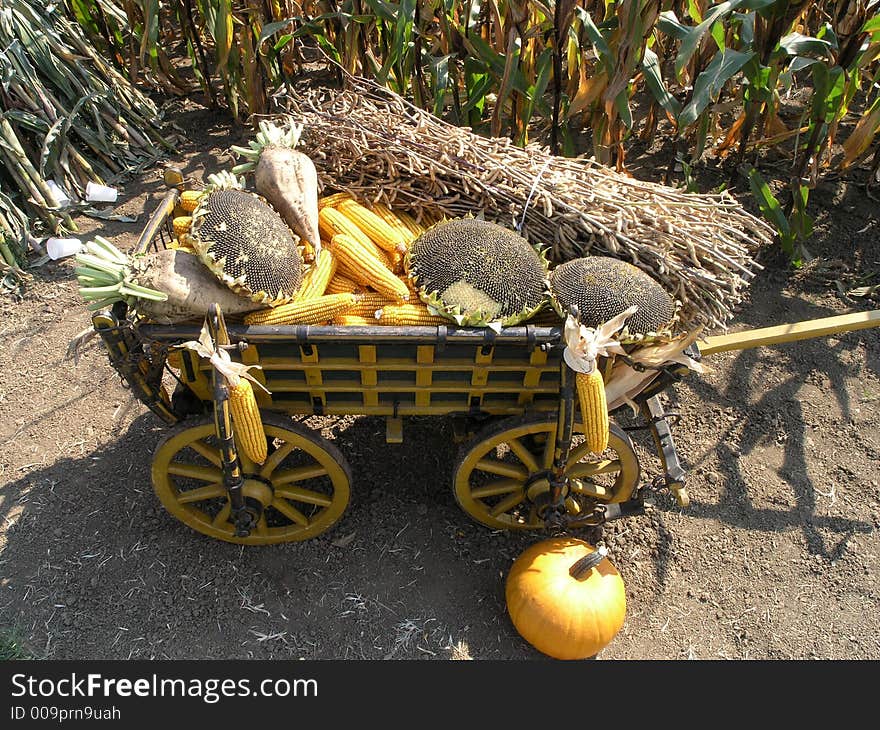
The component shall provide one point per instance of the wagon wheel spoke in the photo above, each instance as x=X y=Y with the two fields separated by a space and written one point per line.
x=195 y=471
x=509 y=493
x=223 y=515
x=290 y=512
x=195 y=493
x=496 y=489
x=591 y=469
x=581 y=451
x=209 y=452
x=508 y=503
x=298 y=494
x=549 y=448
x=209 y=491
x=501 y=468
x=289 y=476
x=275 y=458
x=248 y=465
x=262 y=527
x=524 y=455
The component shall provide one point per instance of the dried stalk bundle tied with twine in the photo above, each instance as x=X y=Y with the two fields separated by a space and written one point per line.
x=370 y=142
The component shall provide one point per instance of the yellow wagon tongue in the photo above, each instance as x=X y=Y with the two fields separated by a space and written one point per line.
x=583 y=345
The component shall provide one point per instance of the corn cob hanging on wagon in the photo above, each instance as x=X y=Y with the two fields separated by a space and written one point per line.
x=243 y=408
x=615 y=302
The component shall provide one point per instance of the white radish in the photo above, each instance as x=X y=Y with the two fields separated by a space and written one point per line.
x=285 y=177
x=166 y=286
x=190 y=285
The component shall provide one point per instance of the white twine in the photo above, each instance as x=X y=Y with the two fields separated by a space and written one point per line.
x=531 y=193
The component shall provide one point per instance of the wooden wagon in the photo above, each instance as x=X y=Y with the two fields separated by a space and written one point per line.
x=522 y=462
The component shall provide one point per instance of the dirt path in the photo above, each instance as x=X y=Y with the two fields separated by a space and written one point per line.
x=776 y=557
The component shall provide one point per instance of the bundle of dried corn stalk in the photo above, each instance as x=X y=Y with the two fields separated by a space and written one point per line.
x=67 y=117
x=372 y=143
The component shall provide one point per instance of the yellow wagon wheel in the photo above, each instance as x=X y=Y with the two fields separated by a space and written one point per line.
x=502 y=476
x=304 y=484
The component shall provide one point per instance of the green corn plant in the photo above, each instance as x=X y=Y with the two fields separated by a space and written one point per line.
x=709 y=55
x=604 y=92
x=792 y=228
x=523 y=67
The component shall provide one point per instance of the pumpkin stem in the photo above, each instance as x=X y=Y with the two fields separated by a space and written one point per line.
x=585 y=564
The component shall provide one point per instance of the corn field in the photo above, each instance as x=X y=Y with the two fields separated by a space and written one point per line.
x=712 y=78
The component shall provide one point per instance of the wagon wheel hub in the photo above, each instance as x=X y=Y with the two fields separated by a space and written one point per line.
x=259 y=490
x=537 y=488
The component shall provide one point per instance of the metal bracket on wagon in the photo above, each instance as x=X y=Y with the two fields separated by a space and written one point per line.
x=673 y=473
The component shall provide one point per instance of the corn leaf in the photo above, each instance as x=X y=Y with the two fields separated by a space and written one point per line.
x=223 y=32
x=440 y=78
x=654 y=81
x=495 y=62
x=709 y=84
x=828 y=90
x=270 y=29
x=383 y=10
x=596 y=38
x=767 y=202
x=668 y=23
x=690 y=41
x=861 y=137
x=797 y=44
x=150 y=39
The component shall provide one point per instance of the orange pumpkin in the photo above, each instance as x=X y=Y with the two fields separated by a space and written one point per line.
x=562 y=606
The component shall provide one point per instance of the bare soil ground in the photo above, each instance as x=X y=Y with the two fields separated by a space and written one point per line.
x=775 y=558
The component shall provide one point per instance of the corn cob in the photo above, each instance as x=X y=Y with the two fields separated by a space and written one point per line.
x=362 y=266
x=594 y=409
x=333 y=200
x=409 y=314
x=189 y=200
x=340 y=284
x=246 y=420
x=181 y=225
x=410 y=284
x=370 y=303
x=410 y=223
x=354 y=320
x=398 y=261
x=304 y=311
x=394 y=221
x=332 y=222
x=316 y=280
x=182 y=242
x=384 y=236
